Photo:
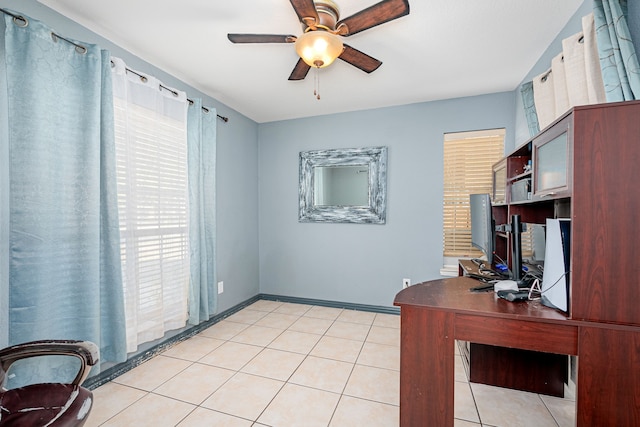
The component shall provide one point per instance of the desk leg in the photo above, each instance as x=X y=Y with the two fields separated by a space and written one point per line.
x=426 y=367
x=608 y=378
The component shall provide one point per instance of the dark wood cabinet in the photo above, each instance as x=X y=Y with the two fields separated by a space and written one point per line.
x=499 y=191
x=544 y=373
x=552 y=153
x=584 y=167
x=591 y=179
x=605 y=208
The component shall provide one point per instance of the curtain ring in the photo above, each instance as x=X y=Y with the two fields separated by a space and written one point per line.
x=20 y=21
x=174 y=92
x=78 y=47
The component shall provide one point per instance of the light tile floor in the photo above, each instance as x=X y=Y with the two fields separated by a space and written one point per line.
x=287 y=365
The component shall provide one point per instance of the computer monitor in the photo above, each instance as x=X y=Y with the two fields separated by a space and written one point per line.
x=482 y=224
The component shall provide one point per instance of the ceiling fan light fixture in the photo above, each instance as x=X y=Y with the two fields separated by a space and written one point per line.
x=319 y=48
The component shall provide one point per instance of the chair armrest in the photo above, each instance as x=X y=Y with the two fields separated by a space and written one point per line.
x=86 y=351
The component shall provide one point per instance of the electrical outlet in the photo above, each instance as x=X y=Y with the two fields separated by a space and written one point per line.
x=406 y=283
x=220 y=287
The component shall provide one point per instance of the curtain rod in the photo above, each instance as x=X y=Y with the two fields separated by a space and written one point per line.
x=21 y=21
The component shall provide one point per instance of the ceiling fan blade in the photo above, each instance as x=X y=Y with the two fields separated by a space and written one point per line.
x=360 y=60
x=379 y=13
x=261 y=38
x=306 y=11
x=300 y=70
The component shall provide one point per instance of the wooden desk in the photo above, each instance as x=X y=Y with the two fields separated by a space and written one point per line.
x=434 y=314
x=546 y=373
x=467 y=267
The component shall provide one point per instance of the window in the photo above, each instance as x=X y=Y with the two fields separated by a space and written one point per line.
x=151 y=159
x=468 y=158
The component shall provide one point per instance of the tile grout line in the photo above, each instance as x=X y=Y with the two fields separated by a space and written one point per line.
x=344 y=387
x=229 y=339
x=306 y=357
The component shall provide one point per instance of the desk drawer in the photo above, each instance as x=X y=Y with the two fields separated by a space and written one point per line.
x=527 y=335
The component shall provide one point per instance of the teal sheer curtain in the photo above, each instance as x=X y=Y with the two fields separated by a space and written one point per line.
x=58 y=185
x=526 y=90
x=4 y=196
x=201 y=142
x=618 y=59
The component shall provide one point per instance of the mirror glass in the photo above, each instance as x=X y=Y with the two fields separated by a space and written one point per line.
x=343 y=185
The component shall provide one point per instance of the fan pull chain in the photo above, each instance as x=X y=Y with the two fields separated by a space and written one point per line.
x=316 y=84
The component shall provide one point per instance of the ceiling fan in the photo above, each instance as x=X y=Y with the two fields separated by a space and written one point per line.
x=320 y=44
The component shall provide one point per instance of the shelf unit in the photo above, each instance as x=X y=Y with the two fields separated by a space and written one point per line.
x=584 y=167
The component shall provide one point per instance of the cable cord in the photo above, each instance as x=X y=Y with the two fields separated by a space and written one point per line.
x=555 y=283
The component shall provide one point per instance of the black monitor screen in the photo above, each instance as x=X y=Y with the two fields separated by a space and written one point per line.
x=482 y=224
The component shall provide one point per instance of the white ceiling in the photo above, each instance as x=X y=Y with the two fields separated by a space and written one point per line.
x=442 y=49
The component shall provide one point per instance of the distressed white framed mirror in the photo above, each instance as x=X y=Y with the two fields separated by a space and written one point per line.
x=343 y=185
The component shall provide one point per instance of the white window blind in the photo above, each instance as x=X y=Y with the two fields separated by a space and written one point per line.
x=468 y=159
x=526 y=243
x=151 y=158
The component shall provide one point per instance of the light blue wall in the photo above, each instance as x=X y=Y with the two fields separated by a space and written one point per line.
x=261 y=247
x=237 y=165
x=544 y=63
x=363 y=263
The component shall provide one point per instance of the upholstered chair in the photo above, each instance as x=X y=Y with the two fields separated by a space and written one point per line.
x=46 y=403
